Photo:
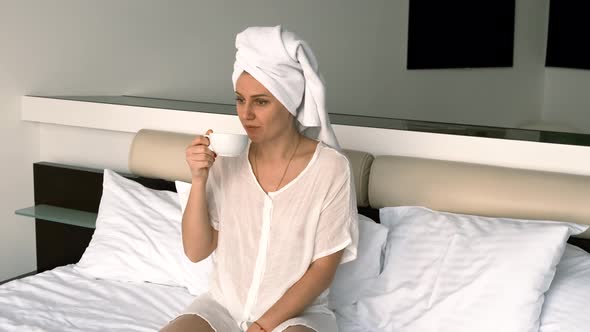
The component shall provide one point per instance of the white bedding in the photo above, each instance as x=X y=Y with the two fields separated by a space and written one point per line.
x=64 y=299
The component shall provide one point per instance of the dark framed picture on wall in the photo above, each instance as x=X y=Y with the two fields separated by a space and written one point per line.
x=460 y=34
x=569 y=31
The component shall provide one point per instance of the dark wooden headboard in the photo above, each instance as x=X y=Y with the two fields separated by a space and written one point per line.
x=74 y=188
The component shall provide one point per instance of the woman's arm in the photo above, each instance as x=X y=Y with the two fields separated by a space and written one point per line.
x=316 y=279
x=199 y=239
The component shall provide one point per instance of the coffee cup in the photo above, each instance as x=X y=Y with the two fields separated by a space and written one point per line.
x=227 y=145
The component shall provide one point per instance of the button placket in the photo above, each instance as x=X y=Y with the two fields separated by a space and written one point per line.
x=260 y=265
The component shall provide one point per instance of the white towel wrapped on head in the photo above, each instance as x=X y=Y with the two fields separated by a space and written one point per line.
x=287 y=67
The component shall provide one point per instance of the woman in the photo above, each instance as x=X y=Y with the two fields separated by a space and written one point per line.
x=280 y=217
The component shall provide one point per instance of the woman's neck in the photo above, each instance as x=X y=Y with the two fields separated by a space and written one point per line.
x=279 y=148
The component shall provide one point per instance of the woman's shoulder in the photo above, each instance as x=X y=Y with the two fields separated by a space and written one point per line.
x=333 y=160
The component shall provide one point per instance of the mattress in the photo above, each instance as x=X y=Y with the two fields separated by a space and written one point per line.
x=65 y=299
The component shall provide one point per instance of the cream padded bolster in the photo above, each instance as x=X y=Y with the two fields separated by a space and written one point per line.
x=161 y=155
x=479 y=189
x=395 y=180
x=361 y=166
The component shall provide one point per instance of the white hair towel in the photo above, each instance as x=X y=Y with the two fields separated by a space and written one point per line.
x=287 y=67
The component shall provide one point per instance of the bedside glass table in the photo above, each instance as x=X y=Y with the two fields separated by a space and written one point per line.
x=60 y=215
x=61 y=234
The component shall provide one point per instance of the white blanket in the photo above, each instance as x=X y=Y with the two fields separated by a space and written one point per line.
x=65 y=300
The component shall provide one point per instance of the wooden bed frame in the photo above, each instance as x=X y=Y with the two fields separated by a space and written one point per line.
x=73 y=188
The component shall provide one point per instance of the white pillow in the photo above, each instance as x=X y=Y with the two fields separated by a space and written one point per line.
x=450 y=272
x=352 y=277
x=138 y=238
x=567 y=302
x=183 y=189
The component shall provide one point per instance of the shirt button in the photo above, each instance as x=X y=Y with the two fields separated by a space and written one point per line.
x=244 y=325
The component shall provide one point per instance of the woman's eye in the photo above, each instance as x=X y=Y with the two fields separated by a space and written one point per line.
x=239 y=100
x=261 y=102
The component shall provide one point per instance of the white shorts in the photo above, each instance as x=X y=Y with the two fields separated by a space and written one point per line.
x=221 y=320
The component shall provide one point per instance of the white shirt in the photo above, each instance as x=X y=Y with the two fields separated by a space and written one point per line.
x=267 y=241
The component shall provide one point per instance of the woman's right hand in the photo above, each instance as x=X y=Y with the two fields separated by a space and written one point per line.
x=199 y=157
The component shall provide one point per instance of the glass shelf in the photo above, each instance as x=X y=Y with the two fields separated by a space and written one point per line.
x=60 y=215
x=351 y=120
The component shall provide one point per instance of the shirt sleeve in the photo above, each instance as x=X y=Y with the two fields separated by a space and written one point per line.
x=212 y=192
x=338 y=223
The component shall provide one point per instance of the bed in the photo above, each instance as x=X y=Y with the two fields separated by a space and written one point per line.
x=77 y=288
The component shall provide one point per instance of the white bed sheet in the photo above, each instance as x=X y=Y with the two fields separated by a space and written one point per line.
x=64 y=299
x=67 y=300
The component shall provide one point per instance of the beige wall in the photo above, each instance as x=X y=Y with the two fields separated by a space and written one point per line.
x=19 y=147
x=185 y=49
x=567 y=98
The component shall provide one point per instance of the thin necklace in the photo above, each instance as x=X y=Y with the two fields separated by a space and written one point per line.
x=286 y=168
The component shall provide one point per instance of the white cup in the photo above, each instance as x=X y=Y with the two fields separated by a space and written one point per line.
x=227 y=145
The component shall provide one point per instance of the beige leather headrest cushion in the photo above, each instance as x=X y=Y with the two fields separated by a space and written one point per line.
x=361 y=166
x=161 y=155
x=479 y=189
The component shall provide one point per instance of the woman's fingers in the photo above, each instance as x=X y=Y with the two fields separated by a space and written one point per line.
x=200 y=160
x=201 y=164
x=200 y=156
x=199 y=149
x=200 y=139
x=194 y=159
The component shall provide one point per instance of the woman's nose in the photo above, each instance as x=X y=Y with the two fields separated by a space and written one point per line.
x=249 y=112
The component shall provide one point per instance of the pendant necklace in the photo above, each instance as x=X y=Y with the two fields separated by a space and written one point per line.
x=286 y=168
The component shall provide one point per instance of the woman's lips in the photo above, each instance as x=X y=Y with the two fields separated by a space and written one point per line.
x=251 y=128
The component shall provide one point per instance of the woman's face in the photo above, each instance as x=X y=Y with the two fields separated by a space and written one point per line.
x=261 y=114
